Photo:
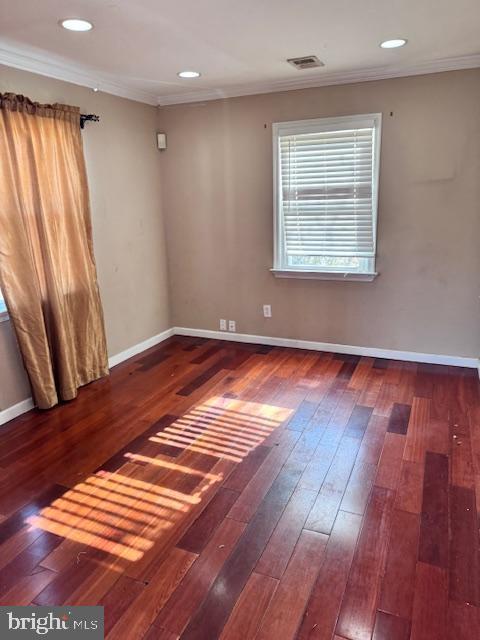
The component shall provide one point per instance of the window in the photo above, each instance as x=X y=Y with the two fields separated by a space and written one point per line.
x=326 y=187
x=3 y=308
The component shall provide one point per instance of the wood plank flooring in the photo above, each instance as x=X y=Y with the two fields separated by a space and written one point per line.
x=218 y=490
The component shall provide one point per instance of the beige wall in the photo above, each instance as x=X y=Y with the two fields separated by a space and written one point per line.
x=123 y=171
x=214 y=184
x=217 y=201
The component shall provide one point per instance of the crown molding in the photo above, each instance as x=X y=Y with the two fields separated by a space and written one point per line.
x=325 y=79
x=38 y=62
x=35 y=61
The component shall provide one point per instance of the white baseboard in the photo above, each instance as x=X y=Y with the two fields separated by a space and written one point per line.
x=16 y=410
x=138 y=348
x=25 y=405
x=412 y=356
x=392 y=354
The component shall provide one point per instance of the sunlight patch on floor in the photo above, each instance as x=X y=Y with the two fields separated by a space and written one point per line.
x=124 y=514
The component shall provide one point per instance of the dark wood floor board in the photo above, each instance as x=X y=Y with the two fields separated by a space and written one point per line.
x=324 y=511
x=386 y=399
x=220 y=600
x=371 y=389
x=288 y=394
x=179 y=491
x=137 y=618
x=12 y=525
x=390 y=464
x=400 y=415
x=358 y=489
x=464 y=561
x=135 y=445
x=410 y=487
x=361 y=373
x=253 y=494
x=263 y=380
x=200 y=532
x=306 y=445
x=97 y=583
x=297 y=364
x=302 y=416
x=325 y=600
x=381 y=363
x=438 y=435
x=207 y=353
x=443 y=395
x=388 y=627
x=393 y=372
x=65 y=583
x=430 y=606
x=317 y=468
x=246 y=469
x=315 y=375
x=118 y=599
x=147 y=566
x=424 y=381
x=461 y=458
x=156 y=633
x=23 y=567
x=335 y=413
x=26 y=588
x=358 y=421
x=250 y=608
x=406 y=383
x=398 y=584
x=347 y=357
x=357 y=615
x=214 y=370
x=463 y=621
x=17 y=543
x=321 y=390
x=346 y=371
x=188 y=596
x=153 y=359
x=287 y=606
x=473 y=420
x=434 y=517
x=417 y=434
x=285 y=536
x=373 y=439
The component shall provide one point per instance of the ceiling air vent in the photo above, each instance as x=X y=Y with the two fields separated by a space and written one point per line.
x=305 y=62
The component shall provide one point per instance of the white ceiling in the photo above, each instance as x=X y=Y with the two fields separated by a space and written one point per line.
x=239 y=46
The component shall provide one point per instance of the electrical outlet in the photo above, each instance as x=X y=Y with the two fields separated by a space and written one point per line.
x=267 y=311
x=232 y=325
x=223 y=324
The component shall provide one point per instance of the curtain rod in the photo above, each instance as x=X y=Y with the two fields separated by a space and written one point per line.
x=85 y=117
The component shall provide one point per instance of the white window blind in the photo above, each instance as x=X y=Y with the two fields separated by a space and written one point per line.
x=326 y=194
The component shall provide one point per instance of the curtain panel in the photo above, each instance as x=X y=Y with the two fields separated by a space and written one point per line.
x=47 y=267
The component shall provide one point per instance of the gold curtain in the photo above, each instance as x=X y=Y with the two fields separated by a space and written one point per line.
x=47 y=268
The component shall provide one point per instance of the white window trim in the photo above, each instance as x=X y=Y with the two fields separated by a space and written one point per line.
x=280 y=270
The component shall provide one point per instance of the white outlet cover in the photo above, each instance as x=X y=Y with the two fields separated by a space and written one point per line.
x=267 y=311
x=223 y=324
x=232 y=325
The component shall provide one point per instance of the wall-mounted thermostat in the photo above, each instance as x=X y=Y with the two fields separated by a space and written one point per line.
x=162 y=141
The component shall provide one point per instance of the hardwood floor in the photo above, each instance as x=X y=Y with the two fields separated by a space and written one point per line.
x=218 y=490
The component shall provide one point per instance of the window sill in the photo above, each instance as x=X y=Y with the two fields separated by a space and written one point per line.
x=323 y=275
x=4 y=317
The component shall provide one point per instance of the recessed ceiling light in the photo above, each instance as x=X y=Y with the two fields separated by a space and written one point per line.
x=393 y=44
x=76 y=24
x=188 y=74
